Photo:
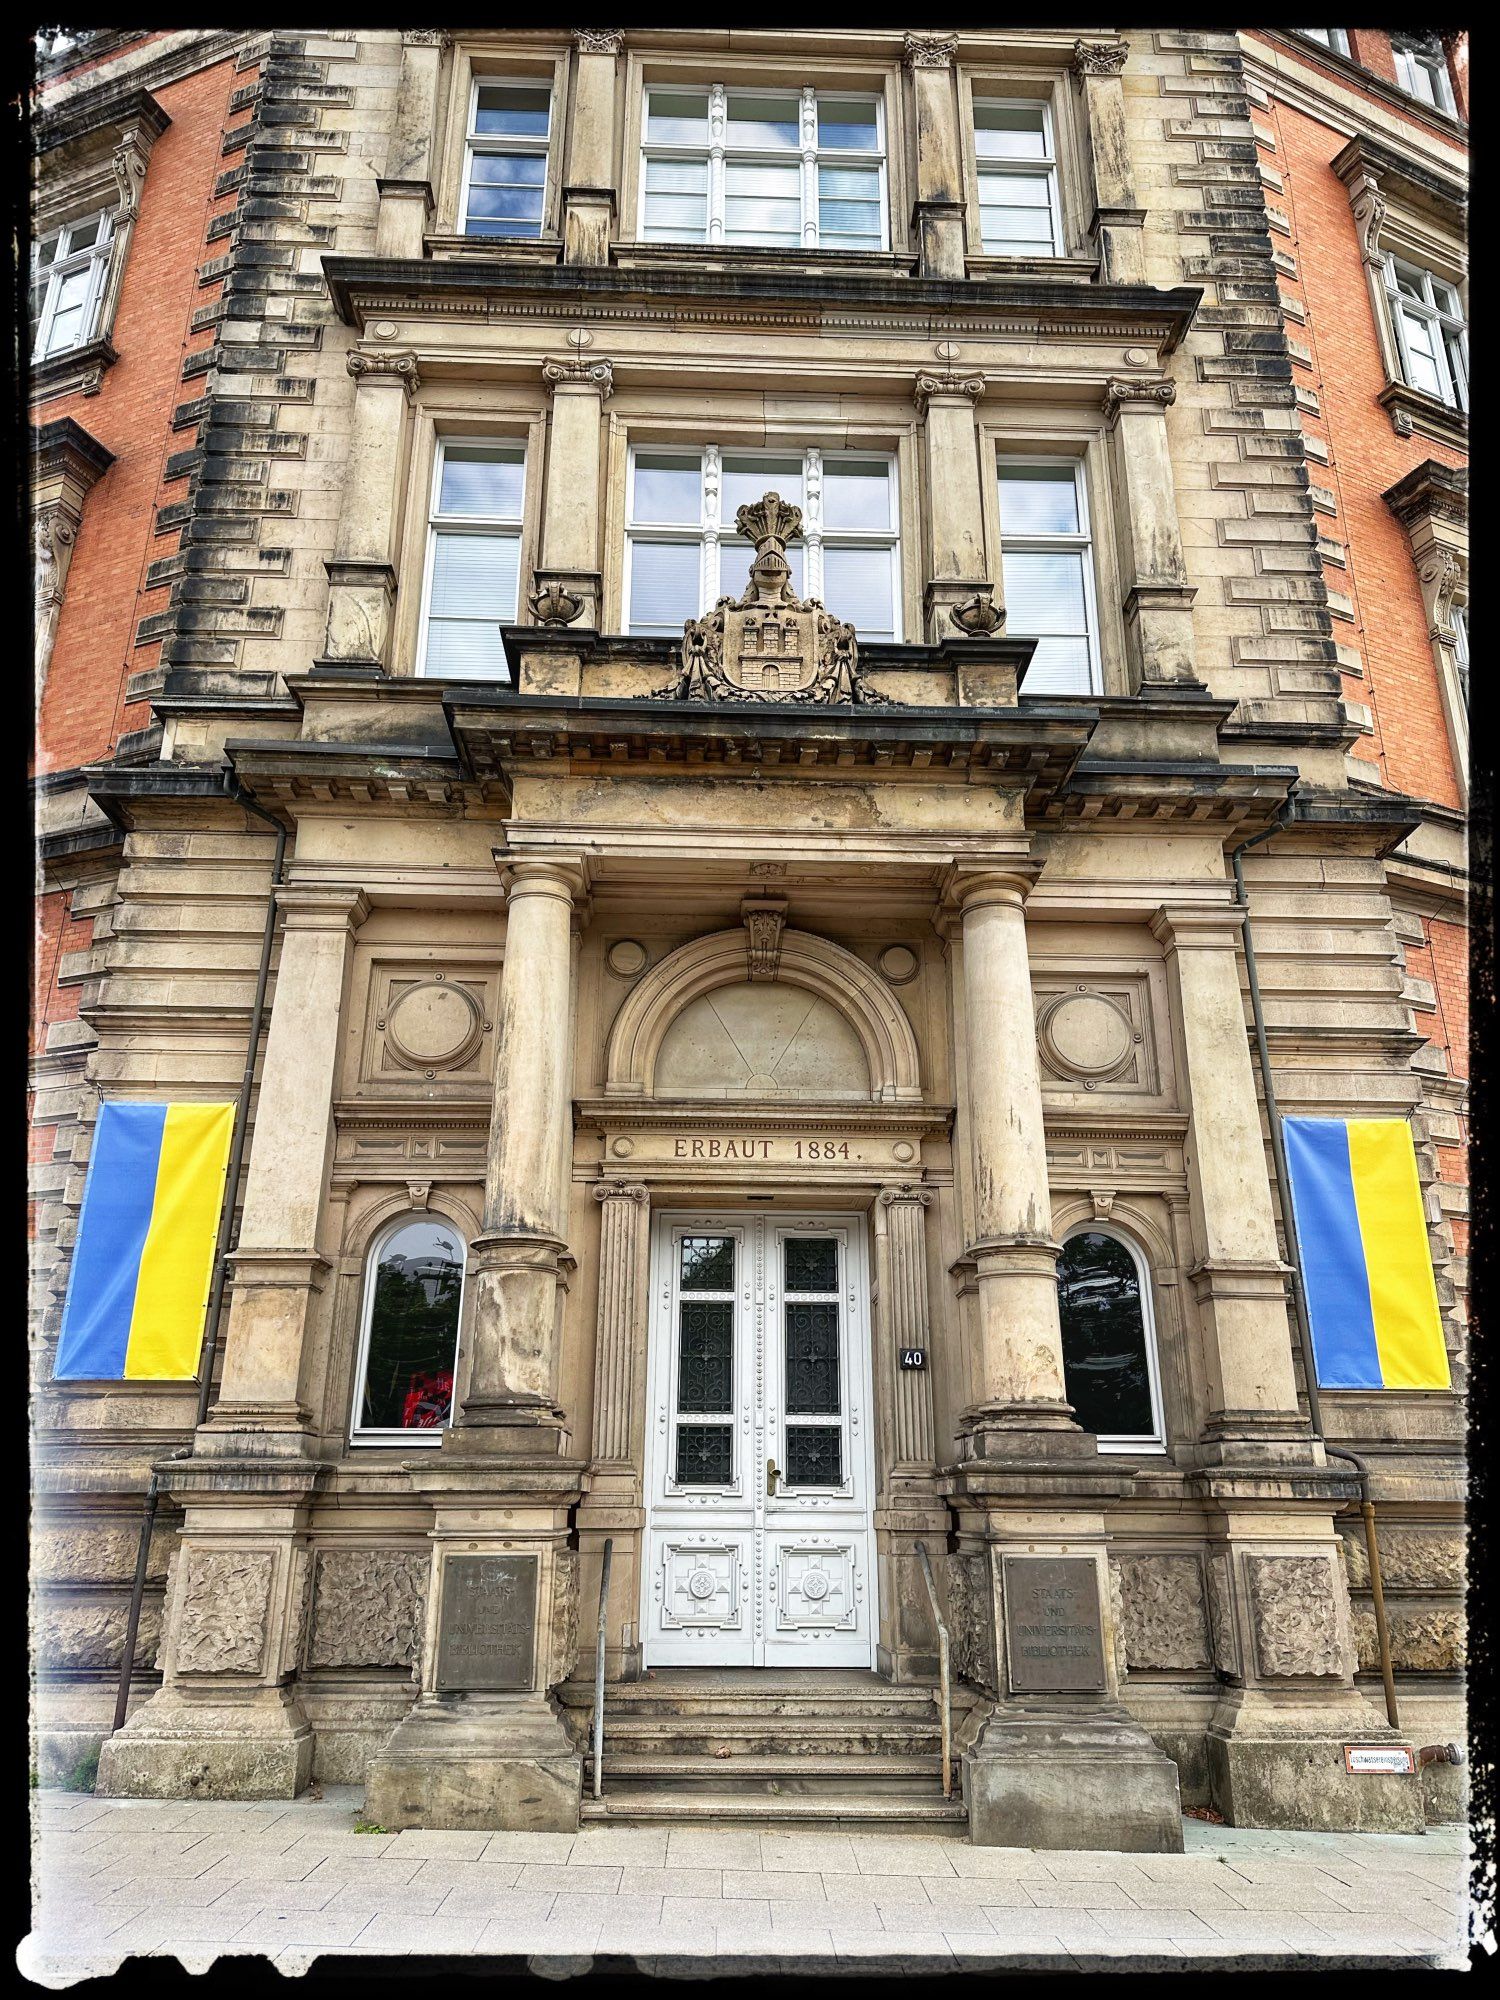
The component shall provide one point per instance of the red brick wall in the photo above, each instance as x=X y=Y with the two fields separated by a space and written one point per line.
x=84 y=711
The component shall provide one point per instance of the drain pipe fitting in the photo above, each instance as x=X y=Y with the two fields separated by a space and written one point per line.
x=1294 y=1258
x=215 y=1307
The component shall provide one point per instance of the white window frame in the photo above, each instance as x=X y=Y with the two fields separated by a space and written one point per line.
x=362 y=1434
x=712 y=529
x=1455 y=378
x=716 y=151
x=1336 y=39
x=96 y=258
x=1458 y=620
x=492 y=525
x=1083 y=541
x=1047 y=165
x=1423 y=74
x=1154 y=1443
x=486 y=142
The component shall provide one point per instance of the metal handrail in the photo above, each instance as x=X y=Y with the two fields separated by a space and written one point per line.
x=609 y=1549
x=944 y=1680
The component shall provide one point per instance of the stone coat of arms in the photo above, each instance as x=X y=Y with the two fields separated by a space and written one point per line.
x=770 y=645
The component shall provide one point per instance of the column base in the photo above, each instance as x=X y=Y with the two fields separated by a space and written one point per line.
x=1274 y=1765
x=477 y=1763
x=258 y=1747
x=1071 y=1778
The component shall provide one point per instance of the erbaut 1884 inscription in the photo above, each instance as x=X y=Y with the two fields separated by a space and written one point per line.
x=1054 y=1640
x=487 y=1624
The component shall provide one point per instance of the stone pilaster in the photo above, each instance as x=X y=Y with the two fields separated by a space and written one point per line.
x=405 y=188
x=590 y=199
x=958 y=579
x=901 y=1219
x=66 y=461
x=1158 y=599
x=510 y=1399
x=570 y=558
x=938 y=213
x=1117 y=226
x=280 y=1262
x=362 y=568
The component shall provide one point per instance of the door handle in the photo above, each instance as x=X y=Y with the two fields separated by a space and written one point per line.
x=773 y=1473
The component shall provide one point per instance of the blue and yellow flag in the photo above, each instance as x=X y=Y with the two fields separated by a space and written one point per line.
x=144 y=1256
x=1371 y=1298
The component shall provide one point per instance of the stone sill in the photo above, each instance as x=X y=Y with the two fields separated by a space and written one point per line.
x=1411 y=412
x=77 y=368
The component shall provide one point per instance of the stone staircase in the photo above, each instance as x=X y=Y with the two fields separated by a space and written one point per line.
x=755 y=1746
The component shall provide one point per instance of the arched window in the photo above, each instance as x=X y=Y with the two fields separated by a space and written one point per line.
x=409 y=1332
x=1109 y=1343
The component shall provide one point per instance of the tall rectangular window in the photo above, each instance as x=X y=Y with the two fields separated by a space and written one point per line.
x=1422 y=72
x=1431 y=335
x=473 y=560
x=68 y=271
x=1459 y=619
x=782 y=168
x=1018 y=203
x=1048 y=567
x=505 y=163
x=682 y=553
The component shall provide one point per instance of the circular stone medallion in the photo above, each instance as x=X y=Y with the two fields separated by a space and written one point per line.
x=1086 y=1035
x=898 y=962
x=625 y=957
x=433 y=1026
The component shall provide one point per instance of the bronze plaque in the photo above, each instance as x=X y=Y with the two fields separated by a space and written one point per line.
x=1054 y=1638
x=487 y=1624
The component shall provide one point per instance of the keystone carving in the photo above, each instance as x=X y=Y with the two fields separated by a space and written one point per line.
x=765 y=920
x=976 y=617
x=370 y=367
x=554 y=605
x=579 y=373
x=1098 y=58
x=929 y=51
x=770 y=645
x=1166 y=1619
x=1120 y=392
x=947 y=384
x=1295 y=1603
x=223 y=1610
x=599 y=41
x=369 y=1607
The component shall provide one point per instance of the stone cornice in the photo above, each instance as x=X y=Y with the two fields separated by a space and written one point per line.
x=500 y=287
x=1431 y=490
x=107 y=109
x=1412 y=182
x=1346 y=71
x=63 y=449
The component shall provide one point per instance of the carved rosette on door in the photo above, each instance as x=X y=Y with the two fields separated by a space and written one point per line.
x=759 y=1482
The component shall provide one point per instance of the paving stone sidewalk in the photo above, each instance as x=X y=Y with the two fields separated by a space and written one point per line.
x=295 y=1881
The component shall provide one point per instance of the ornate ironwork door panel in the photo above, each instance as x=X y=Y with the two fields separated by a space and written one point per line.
x=760 y=1474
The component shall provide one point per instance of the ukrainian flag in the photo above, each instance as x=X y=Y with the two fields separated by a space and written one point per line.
x=1371 y=1299
x=143 y=1260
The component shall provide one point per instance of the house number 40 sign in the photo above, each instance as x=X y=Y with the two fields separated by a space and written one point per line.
x=914 y=1357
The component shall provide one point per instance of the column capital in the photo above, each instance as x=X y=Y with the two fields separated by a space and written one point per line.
x=633 y=1191
x=946 y=388
x=1122 y=392
x=1197 y=929
x=970 y=885
x=599 y=41
x=393 y=367
x=521 y=876
x=911 y=1196
x=594 y=377
x=426 y=38
x=1098 y=59
x=929 y=51
x=321 y=906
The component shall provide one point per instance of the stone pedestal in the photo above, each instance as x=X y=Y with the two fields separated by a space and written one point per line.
x=483 y=1746
x=1069 y=1780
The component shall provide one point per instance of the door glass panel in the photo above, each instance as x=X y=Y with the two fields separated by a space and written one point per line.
x=705 y=1356
x=814 y=1455
x=707 y=1263
x=811 y=1264
x=812 y=1358
x=705 y=1455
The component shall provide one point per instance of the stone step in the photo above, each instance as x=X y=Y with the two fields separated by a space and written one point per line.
x=626 y=1805
x=789 y=1771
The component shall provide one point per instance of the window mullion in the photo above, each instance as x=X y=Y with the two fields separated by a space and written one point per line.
x=809 y=137
x=812 y=522
x=712 y=527
x=718 y=119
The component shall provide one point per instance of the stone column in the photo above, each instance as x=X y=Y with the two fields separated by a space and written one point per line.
x=938 y=213
x=405 y=188
x=362 y=570
x=1117 y=226
x=568 y=578
x=1158 y=599
x=1015 y=1255
x=959 y=578
x=510 y=1401
x=589 y=197
x=1238 y=1277
x=279 y=1265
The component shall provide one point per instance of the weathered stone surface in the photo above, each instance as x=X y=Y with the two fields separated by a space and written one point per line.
x=1410 y=1558
x=88 y=1554
x=1425 y=1638
x=971 y=1621
x=1295 y=1614
x=1221 y=1601
x=1166 y=1620
x=368 y=1607
x=223 y=1606
x=89 y=1636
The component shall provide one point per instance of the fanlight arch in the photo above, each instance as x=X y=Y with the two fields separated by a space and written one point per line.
x=819 y=967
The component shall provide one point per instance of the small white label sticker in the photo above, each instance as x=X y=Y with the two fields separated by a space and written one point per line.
x=1379 y=1760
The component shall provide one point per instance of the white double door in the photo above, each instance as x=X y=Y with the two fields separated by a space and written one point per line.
x=760 y=1469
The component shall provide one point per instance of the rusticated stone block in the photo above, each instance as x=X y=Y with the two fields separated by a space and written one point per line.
x=1166 y=1620
x=1295 y=1603
x=223 y=1610
x=368 y=1607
